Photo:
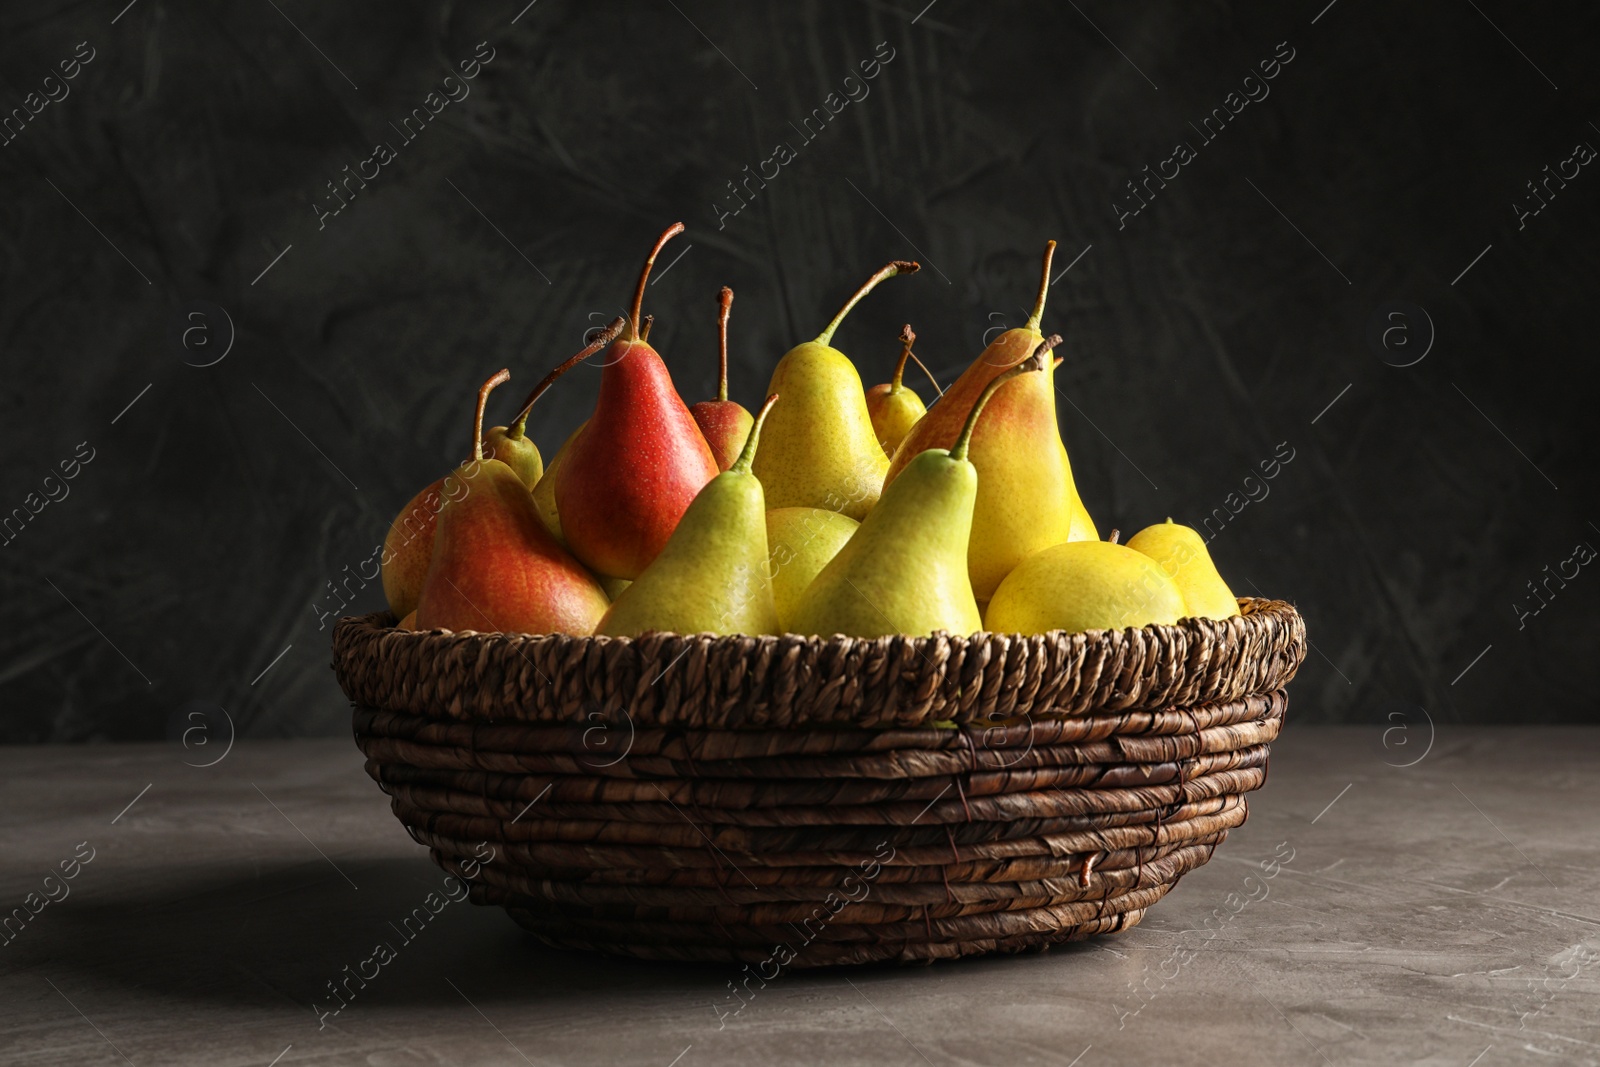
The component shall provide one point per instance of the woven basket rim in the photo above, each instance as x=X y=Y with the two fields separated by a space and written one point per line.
x=788 y=680
x=1256 y=608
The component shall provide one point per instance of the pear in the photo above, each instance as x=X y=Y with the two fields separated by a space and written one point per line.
x=1026 y=497
x=905 y=570
x=725 y=423
x=800 y=542
x=408 y=546
x=510 y=444
x=632 y=472
x=1084 y=585
x=711 y=577
x=894 y=406
x=544 y=494
x=1082 y=527
x=1181 y=551
x=822 y=451
x=495 y=567
x=409 y=622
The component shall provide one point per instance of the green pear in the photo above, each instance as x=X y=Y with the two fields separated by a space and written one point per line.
x=800 y=542
x=1084 y=585
x=1181 y=551
x=512 y=446
x=711 y=575
x=1027 y=499
x=905 y=570
x=822 y=451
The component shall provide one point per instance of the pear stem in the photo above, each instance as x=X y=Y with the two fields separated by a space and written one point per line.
x=1034 y=362
x=644 y=277
x=607 y=335
x=644 y=331
x=502 y=375
x=1044 y=286
x=725 y=304
x=1115 y=533
x=899 y=266
x=929 y=373
x=907 y=339
x=748 y=455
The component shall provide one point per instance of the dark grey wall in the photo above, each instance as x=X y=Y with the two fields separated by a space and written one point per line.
x=1230 y=318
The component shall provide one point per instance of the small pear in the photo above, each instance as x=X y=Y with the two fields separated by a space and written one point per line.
x=800 y=542
x=725 y=423
x=905 y=570
x=711 y=576
x=1026 y=496
x=512 y=446
x=894 y=406
x=1084 y=585
x=632 y=472
x=822 y=451
x=544 y=494
x=409 y=622
x=1181 y=551
x=495 y=567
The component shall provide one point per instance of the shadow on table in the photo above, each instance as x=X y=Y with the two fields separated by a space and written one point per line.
x=263 y=935
x=242 y=934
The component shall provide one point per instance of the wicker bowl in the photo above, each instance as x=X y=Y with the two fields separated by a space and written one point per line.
x=805 y=802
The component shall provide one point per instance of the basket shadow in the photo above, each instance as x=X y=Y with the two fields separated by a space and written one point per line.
x=246 y=934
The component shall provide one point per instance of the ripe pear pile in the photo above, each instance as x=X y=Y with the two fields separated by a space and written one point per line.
x=834 y=510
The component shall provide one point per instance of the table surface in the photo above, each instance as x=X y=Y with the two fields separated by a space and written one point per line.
x=1439 y=913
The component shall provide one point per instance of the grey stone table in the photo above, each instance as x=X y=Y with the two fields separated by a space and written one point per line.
x=1442 y=913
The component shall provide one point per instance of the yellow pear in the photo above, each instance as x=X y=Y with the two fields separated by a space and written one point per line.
x=544 y=492
x=800 y=542
x=711 y=575
x=822 y=451
x=1026 y=497
x=905 y=570
x=1084 y=585
x=894 y=406
x=1182 y=554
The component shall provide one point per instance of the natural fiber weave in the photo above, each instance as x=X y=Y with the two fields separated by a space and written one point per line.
x=710 y=798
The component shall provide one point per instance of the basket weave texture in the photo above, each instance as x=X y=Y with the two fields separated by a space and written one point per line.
x=789 y=801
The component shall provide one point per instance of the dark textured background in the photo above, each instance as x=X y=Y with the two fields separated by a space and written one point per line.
x=196 y=545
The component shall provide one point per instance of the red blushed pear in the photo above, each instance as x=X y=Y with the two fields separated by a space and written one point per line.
x=495 y=567
x=631 y=473
x=1026 y=497
x=408 y=546
x=724 y=423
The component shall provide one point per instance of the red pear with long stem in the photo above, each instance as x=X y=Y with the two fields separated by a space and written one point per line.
x=724 y=423
x=638 y=463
